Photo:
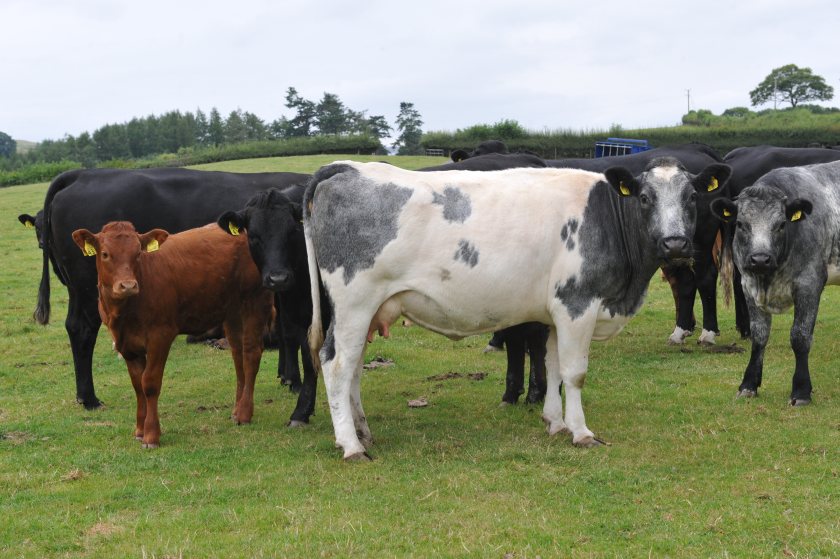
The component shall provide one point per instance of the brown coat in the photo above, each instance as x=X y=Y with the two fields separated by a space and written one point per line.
x=155 y=286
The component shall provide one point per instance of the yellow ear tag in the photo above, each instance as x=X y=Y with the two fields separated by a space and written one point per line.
x=712 y=185
x=234 y=230
x=623 y=189
x=89 y=250
x=29 y=225
x=797 y=215
x=727 y=213
x=152 y=246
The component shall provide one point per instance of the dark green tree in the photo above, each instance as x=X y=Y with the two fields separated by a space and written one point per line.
x=331 y=115
x=410 y=132
x=303 y=123
x=235 y=131
x=216 y=128
x=8 y=147
x=255 y=128
x=791 y=84
x=202 y=128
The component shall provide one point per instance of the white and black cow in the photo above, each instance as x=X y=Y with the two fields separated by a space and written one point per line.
x=787 y=246
x=462 y=253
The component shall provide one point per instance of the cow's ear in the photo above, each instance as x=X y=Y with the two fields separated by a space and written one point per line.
x=797 y=209
x=297 y=211
x=459 y=155
x=622 y=181
x=151 y=241
x=232 y=222
x=86 y=241
x=724 y=209
x=27 y=220
x=712 y=179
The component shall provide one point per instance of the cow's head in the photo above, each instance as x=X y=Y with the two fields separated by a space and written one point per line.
x=275 y=235
x=762 y=217
x=34 y=222
x=117 y=249
x=668 y=197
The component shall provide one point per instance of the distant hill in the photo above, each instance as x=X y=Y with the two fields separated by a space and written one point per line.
x=23 y=146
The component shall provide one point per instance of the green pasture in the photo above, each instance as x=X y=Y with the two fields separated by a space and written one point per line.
x=690 y=471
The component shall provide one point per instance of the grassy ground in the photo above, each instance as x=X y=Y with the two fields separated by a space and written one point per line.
x=691 y=471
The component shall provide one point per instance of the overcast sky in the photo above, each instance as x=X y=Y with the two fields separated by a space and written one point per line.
x=74 y=65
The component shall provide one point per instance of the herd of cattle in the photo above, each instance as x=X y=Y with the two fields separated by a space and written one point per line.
x=550 y=254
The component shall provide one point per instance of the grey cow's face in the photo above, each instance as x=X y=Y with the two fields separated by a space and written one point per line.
x=762 y=217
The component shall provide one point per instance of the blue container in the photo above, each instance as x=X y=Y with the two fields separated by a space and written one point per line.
x=620 y=146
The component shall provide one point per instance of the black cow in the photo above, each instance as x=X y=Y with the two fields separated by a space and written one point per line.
x=171 y=199
x=748 y=165
x=484 y=148
x=786 y=245
x=686 y=281
x=275 y=238
x=529 y=337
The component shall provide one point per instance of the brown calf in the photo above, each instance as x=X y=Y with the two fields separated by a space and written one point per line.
x=155 y=286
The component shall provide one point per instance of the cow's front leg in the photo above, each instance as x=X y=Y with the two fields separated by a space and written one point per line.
x=760 y=332
x=707 y=288
x=135 y=371
x=156 y=354
x=553 y=406
x=684 y=289
x=806 y=304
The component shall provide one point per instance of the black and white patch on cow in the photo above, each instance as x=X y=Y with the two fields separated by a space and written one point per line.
x=505 y=272
x=787 y=247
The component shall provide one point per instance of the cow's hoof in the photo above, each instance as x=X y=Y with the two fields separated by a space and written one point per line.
x=150 y=445
x=707 y=338
x=555 y=428
x=90 y=406
x=138 y=438
x=490 y=349
x=800 y=401
x=747 y=393
x=588 y=442
x=504 y=404
x=296 y=423
x=358 y=457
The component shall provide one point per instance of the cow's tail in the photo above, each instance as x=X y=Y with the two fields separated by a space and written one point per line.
x=726 y=265
x=42 y=309
x=316 y=328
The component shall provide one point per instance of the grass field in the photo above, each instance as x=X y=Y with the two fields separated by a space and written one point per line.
x=690 y=472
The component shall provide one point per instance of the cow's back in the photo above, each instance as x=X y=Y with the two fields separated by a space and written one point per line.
x=749 y=164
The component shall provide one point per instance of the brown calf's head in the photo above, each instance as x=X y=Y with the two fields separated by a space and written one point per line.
x=117 y=249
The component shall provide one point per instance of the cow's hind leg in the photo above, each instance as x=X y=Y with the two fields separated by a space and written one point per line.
x=82 y=324
x=341 y=355
x=359 y=419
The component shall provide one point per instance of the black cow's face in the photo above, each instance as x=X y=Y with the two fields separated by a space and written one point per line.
x=668 y=196
x=35 y=222
x=275 y=233
x=762 y=217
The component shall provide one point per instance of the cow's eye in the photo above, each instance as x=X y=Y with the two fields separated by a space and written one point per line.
x=644 y=199
x=781 y=226
x=692 y=197
x=105 y=256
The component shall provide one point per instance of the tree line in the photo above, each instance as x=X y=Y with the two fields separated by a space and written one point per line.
x=175 y=131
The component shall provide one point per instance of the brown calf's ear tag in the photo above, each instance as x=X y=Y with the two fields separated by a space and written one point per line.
x=152 y=246
x=797 y=215
x=623 y=189
x=234 y=230
x=713 y=185
x=89 y=250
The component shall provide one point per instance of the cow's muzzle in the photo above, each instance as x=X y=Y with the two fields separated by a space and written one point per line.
x=761 y=263
x=676 y=249
x=125 y=288
x=278 y=281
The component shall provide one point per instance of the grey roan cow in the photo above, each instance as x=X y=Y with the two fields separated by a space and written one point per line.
x=787 y=246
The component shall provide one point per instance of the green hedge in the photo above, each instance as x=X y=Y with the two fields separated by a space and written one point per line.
x=41 y=172
x=36 y=172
